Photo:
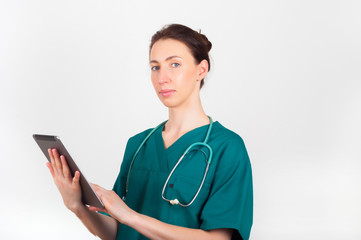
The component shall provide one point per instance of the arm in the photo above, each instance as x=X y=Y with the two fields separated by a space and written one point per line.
x=100 y=225
x=151 y=227
x=154 y=229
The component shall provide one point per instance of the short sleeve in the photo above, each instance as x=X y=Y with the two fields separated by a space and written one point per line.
x=119 y=185
x=230 y=203
x=130 y=149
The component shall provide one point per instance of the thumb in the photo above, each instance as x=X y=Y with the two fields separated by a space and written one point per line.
x=96 y=209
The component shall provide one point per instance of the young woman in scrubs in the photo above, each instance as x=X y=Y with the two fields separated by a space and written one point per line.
x=149 y=200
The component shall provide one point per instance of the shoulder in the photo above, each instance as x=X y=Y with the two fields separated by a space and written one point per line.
x=142 y=135
x=134 y=142
x=228 y=146
x=226 y=136
x=139 y=136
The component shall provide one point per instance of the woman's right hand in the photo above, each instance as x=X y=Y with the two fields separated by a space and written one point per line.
x=68 y=186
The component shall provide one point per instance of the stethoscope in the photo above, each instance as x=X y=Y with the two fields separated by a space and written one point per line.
x=188 y=150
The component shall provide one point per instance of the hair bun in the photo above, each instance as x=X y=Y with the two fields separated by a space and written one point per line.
x=205 y=41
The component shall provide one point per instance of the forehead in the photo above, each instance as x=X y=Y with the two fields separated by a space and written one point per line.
x=164 y=48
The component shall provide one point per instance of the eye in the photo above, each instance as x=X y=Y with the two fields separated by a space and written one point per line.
x=175 y=65
x=154 y=68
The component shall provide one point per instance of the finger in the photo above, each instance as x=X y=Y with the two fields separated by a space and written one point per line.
x=101 y=192
x=51 y=155
x=96 y=209
x=96 y=186
x=76 y=177
x=52 y=161
x=98 y=189
x=58 y=166
x=66 y=170
x=48 y=164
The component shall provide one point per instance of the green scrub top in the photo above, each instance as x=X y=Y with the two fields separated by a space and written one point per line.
x=225 y=200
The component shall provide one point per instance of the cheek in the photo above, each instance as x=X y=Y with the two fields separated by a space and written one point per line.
x=187 y=78
x=153 y=79
x=190 y=73
x=180 y=77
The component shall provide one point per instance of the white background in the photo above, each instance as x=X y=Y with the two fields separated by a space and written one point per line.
x=285 y=75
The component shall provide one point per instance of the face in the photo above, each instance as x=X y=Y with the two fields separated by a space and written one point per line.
x=175 y=74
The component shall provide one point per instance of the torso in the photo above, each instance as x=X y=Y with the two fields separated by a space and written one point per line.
x=154 y=163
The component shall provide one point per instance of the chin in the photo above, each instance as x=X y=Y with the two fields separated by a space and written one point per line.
x=168 y=103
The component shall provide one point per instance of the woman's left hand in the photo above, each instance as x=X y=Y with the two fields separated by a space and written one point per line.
x=113 y=204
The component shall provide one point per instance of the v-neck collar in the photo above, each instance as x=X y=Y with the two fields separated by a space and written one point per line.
x=169 y=156
x=196 y=135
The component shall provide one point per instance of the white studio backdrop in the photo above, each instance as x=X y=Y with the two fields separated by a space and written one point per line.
x=285 y=76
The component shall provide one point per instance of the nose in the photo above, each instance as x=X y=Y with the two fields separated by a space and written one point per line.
x=163 y=76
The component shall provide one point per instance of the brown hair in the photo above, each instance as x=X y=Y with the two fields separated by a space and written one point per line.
x=198 y=43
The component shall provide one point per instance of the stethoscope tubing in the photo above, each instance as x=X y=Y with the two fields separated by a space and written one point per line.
x=203 y=144
x=199 y=188
x=136 y=153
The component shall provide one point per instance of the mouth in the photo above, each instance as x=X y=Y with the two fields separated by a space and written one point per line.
x=166 y=92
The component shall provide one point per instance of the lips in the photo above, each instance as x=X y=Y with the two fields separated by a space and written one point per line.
x=166 y=92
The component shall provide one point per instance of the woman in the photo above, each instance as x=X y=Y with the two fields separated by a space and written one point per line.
x=208 y=195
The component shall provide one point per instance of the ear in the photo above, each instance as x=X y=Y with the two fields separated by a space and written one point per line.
x=202 y=69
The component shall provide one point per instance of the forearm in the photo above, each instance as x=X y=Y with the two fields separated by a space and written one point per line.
x=151 y=227
x=155 y=229
x=98 y=224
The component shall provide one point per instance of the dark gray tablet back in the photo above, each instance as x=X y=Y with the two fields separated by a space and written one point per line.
x=45 y=142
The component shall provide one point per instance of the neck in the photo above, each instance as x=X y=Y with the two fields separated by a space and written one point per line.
x=183 y=119
x=186 y=118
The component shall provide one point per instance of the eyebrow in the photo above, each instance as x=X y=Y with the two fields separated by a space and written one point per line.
x=167 y=59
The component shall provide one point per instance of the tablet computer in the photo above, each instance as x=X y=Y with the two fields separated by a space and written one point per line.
x=89 y=197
